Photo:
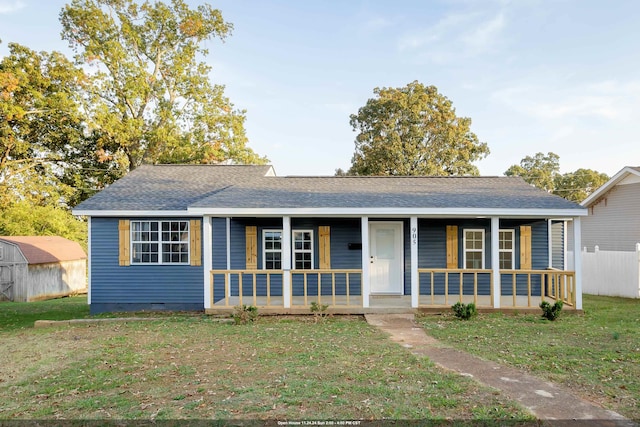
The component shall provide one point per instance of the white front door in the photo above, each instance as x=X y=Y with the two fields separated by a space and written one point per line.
x=385 y=250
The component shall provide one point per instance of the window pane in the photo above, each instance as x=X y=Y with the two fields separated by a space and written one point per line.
x=474 y=260
x=506 y=260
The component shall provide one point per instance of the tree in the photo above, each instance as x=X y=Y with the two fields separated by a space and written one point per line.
x=577 y=186
x=25 y=219
x=543 y=171
x=413 y=130
x=40 y=122
x=540 y=170
x=149 y=99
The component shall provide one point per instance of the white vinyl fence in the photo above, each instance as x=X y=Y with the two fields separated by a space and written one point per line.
x=612 y=273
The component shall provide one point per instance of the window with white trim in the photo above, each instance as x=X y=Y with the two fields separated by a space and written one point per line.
x=474 y=248
x=159 y=242
x=505 y=248
x=272 y=249
x=303 y=249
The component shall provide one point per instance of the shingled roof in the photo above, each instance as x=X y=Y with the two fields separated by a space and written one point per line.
x=46 y=249
x=160 y=188
x=385 y=192
x=170 y=187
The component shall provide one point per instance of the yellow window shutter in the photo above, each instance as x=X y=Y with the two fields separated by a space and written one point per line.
x=452 y=246
x=124 y=237
x=525 y=247
x=324 y=247
x=251 y=233
x=195 y=244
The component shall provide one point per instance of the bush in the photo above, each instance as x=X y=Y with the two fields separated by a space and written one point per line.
x=464 y=311
x=319 y=311
x=551 y=312
x=243 y=314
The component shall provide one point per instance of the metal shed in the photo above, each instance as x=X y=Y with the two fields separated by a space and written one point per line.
x=40 y=267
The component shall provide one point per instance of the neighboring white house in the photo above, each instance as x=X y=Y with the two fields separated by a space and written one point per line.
x=610 y=234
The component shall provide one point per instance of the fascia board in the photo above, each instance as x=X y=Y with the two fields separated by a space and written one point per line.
x=608 y=185
x=390 y=212
x=129 y=213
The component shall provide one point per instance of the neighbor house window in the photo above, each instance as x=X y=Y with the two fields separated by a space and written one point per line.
x=303 y=249
x=159 y=242
x=474 y=249
x=272 y=249
x=505 y=239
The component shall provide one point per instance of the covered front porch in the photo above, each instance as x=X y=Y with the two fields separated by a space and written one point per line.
x=438 y=264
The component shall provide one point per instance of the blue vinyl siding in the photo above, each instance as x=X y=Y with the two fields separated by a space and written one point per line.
x=557 y=239
x=432 y=254
x=406 y=228
x=342 y=231
x=219 y=243
x=432 y=243
x=539 y=257
x=141 y=286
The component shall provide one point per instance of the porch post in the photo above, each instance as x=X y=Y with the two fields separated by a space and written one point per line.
x=577 y=260
x=415 y=278
x=365 y=262
x=286 y=261
x=88 y=261
x=228 y=225
x=550 y=243
x=495 y=259
x=207 y=263
x=565 y=228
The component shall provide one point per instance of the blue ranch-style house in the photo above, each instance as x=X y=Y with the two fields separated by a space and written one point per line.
x=210 y=237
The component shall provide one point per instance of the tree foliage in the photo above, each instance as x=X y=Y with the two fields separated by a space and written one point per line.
x=413 y=130
x=25 y=219
x=543 y=171
x=577 y=186
x=539 y=170
x=40 y=122
x=149 y=99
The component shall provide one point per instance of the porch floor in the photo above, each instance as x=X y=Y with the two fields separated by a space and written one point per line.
x=391 y=304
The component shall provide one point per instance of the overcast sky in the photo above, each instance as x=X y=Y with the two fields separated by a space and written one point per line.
x=533 y=75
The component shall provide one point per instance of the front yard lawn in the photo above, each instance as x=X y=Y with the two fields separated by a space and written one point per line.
x=190 y=367
x=597 y=355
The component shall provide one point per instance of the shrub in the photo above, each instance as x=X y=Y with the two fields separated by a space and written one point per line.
x=319 y=311
x=243 y=314
x=464 y=311
x=551 y=312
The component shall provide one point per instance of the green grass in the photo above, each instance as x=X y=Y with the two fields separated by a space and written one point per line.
x=19 y=315
x=192 y=368
x=597 y=354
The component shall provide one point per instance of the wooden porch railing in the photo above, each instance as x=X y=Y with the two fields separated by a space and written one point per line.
x=519 y=288
x=344 y=299
x=437 y=287
x=454 y=291
x=553 y=284
x=230 y=299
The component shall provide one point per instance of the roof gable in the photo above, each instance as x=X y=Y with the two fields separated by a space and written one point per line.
x=46 y=249
x=618 y=178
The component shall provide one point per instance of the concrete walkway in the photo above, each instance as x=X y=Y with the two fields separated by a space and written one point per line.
x=545 y=400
